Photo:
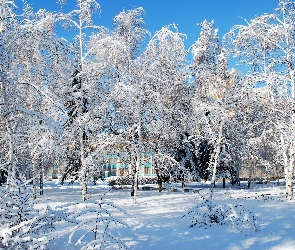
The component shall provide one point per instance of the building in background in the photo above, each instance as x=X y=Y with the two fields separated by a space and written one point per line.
x=116 y=166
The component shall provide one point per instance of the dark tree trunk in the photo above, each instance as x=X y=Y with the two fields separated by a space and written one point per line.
x=41 y=184
x=249 y=183
x=160 y=182
x=182 y=181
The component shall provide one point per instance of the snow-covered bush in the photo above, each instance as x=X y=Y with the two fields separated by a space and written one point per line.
x=96 y=226
x=21 y=225
x=237 y=217
x=120 y=180
x=128 y=180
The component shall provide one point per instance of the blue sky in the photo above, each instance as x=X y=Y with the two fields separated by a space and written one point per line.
x=186 y=13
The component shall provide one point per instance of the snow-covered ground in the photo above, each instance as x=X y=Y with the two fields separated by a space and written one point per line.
x=156 y=221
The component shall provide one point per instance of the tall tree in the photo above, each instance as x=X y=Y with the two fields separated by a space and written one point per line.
x=127 y=97
x=266 y=46
x=25 y=42
x=82 y=96
x=168 y=111
x=213 y=106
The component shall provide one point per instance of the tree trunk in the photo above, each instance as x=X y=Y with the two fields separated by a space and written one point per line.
x=249 y=182
x=160 y=182
x=84 y=185
x=289 y=169
x=82 y=159
x=289 y=175
x=41 y=181
x=182 y=181
x=267 y=180
x=216 y=156
x=34 y=181
x=11 y=167
x=134 y=184
x=135 y=178
x=278 y=180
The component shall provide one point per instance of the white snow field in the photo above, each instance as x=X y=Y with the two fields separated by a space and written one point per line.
x=157 y=222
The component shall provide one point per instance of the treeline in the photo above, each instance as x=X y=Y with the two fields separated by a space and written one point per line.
x=119 y=89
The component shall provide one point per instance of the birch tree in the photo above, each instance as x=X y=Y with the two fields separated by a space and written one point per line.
x=213 y=102
x=79 y=96
x=126 y=99
x=30 y=77
x=266 y=45
x=150 y=103
x=168 y=97
x=7 y=20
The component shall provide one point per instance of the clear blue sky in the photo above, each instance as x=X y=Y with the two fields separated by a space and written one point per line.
x=186 y=13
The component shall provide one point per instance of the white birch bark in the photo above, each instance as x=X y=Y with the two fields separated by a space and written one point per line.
x=216 y=156
x=289 y=166
x=11 y=162
x=289 y=169
x=135 y=179
x=83 y=170
x=137 y=163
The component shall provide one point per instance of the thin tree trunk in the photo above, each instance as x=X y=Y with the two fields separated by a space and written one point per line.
x=216 y=156
x=81 y=105
x=41 y=181
x=11 y=167
x=139 y=148
x=249 y=182
x=290 y=164
x=84 y=185
x=83 y=172
x=289 y=169
x=289 y=173
x=82 y=158
x=34 y=180
x=182 y=181
x=160 y=182
x=136 y=179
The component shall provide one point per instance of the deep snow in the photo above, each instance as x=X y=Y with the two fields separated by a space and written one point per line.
x=156 y=222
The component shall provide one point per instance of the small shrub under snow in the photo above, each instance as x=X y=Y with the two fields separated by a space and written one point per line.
x=96 y=226
x=237 y=217
x=21 y=225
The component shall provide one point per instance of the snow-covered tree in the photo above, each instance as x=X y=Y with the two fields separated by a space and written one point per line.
x=170 y=120
x=152 y=103
x=266 y=46
x=29 y=76
x=85 y=91
x=214 y=99
x=127 y=96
